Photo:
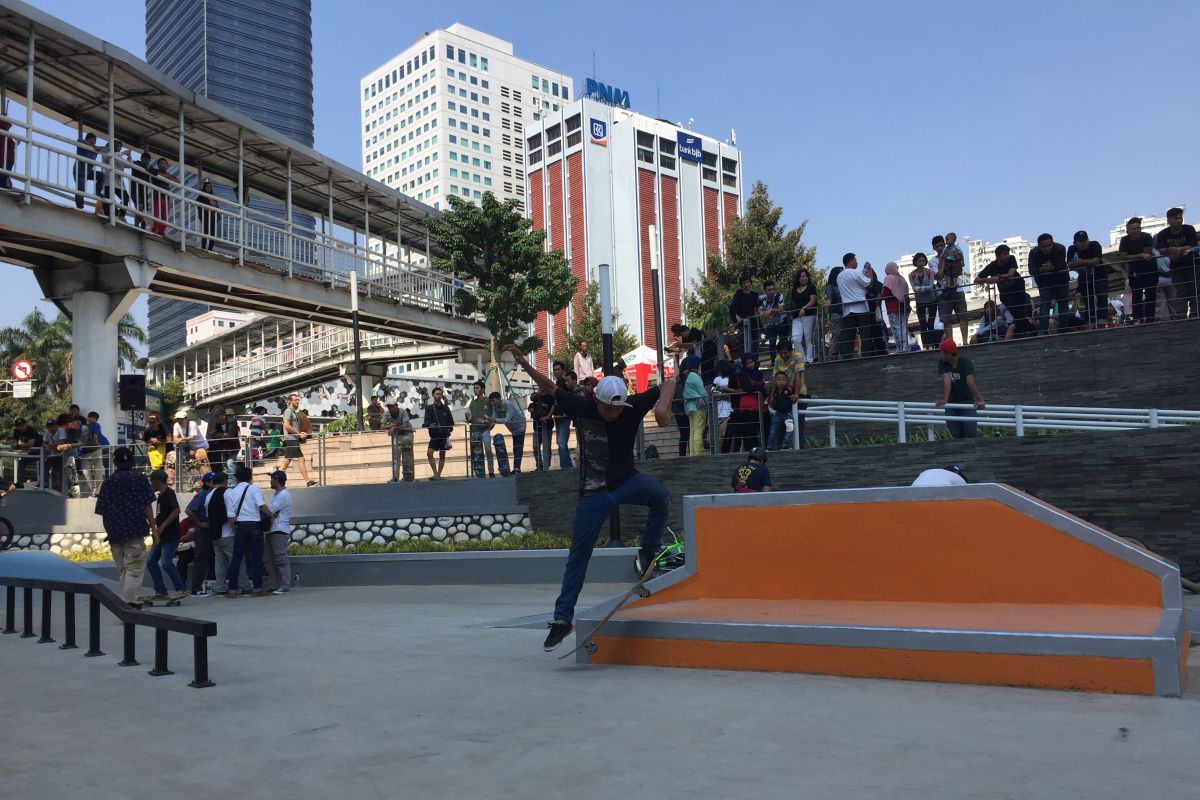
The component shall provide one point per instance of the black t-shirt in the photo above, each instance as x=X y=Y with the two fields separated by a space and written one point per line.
x=30 y=436
x=751 y=478
x=1185 y=238
x=1087 y=254
x=158 y=431
x=802 y=296
x=542 y=405
x=605 y=448
x=1012 y=290
x=959 y=391
x=1055 y=264
x=744 y=305
x=167 y=502
x=1136 y=245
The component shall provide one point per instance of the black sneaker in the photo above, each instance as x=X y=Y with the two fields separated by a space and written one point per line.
x=644 y=558
x=559 y=630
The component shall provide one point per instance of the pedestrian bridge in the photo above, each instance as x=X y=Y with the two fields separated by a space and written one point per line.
x=285 y=230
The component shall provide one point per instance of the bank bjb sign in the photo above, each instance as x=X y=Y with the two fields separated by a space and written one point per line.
x=605 y=93
x=689 y=147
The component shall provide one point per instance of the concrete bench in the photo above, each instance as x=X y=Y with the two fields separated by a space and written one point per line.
x=973 y=584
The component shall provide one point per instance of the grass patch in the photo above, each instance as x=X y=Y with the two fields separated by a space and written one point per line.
x=537 y=540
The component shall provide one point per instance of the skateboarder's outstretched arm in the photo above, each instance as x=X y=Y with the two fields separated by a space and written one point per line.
x=545 y=384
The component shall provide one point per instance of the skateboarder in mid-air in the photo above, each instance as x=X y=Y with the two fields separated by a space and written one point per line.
x=607 y=425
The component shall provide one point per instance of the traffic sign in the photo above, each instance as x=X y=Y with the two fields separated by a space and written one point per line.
x=22 y=370
x=22 y=390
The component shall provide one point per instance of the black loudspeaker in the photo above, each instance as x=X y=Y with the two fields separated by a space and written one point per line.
x=131 y=392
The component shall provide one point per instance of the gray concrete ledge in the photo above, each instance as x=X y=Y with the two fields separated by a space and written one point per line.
x=613 y=565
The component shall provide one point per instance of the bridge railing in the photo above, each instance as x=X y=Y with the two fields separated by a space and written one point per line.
x=54 y=170
x=282 y=358
x=130 y=618
x=1021 y=419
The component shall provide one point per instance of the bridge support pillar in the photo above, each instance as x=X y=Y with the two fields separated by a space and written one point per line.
x=95 y=317
x=368 y=382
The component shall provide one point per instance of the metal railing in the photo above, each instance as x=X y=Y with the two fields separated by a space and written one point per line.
x=915 y=317
x=1021 y=419
x=280 y=359
x=98 y=595
x=53 y=171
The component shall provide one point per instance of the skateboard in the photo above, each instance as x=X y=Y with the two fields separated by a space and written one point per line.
x=150 y=601
x=477 y=455
x=501 y=454
x=587 y=644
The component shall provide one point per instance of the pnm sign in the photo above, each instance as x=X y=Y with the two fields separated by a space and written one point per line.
x=689 y=147
x=605 y=93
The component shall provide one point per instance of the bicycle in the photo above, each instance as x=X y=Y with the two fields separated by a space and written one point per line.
x=672 y=555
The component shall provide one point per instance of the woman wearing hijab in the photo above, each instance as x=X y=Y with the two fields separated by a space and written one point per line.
x=895 y=298
x=747 y=413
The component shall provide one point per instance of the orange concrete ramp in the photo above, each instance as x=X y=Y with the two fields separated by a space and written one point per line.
x=970 y=584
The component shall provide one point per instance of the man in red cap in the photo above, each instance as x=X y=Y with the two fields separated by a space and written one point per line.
x=958 y=388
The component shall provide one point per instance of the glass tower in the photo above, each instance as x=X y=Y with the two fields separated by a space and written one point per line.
x=254 y=56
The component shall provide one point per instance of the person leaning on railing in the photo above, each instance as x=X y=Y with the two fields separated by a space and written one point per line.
x=396 y=422
x=1178 y=243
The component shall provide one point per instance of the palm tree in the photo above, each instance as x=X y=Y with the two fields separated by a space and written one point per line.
x=48 y=345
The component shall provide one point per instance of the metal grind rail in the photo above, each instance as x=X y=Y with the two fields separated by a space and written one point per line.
x=100 y=595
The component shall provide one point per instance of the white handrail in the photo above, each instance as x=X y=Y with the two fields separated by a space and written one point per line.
x=1020 y=418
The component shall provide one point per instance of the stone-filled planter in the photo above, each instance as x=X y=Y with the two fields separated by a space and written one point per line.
x=481 y=527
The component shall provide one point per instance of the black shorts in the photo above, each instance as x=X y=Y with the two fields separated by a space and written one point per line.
x=439 y=443
x=291 y=449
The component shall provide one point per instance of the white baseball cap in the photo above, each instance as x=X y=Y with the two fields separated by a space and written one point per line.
x=612 y=391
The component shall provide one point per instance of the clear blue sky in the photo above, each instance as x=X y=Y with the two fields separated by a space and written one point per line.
x=881 y=123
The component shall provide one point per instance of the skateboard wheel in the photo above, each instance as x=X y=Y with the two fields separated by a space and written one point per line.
x=590 y=647
x=643 y=591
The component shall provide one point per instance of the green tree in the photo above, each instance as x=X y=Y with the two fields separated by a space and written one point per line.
x=585 y=327
x=512 y=278
x=172 y=392
x=48 y=346
x=758 y=245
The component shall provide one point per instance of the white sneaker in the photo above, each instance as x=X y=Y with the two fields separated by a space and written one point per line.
x=281 y=590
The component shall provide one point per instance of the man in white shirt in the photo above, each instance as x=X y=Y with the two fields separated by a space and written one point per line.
x=856 y=313
x=945 y=476
x=220 y=531
x=583 y=362
x=279 y=571
x=246 y=507
x=187 y=438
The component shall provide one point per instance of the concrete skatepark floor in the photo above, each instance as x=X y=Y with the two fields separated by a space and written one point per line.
x=409 y=692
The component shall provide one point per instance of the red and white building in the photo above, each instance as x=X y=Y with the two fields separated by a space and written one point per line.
x=598 y=177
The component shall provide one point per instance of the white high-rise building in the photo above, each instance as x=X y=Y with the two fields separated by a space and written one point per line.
x=447 y=116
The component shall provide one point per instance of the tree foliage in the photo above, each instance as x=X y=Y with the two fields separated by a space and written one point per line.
x=585 y=327
x=47 y=344
x=758 y=245
x=493 y=247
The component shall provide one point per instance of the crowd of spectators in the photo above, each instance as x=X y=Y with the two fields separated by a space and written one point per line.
x=66 y=454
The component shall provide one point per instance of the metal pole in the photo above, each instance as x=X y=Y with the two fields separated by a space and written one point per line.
x=606 y=336
x=358 y=376
x=160 y=653
x=27 y=197
x=10 y=609
x=130 y=651
x=241 y=189
x=657 y=296
x=111 y=169
x=47 y=607
x=182 y=187
x=27 y=612
x=93 y=629
x=367 y=239
x=200 y=663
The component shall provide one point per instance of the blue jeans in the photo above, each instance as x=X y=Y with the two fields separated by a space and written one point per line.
x=1047 y=297
x=164 y=553
x=563 y=432
x=961 y=424
x=247 y=540
x=778 y=438
x=590 y=514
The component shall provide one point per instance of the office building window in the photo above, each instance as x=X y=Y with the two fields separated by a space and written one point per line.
x=474 y=81
x=474 y=61
x=554 y=89
x=462 y=56
x=535 y=82
x=483 y=65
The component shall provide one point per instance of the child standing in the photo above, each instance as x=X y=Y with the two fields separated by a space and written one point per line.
x=753 y=476
x=781 y=400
